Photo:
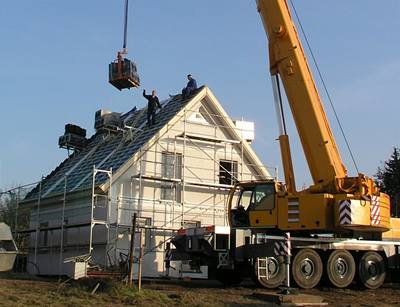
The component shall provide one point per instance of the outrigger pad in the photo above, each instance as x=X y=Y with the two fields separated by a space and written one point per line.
x=127 y=77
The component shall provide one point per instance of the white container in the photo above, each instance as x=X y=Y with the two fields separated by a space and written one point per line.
x=245 y=129
x=8 y=248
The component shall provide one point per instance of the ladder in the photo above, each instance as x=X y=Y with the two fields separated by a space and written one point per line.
x=100 y=204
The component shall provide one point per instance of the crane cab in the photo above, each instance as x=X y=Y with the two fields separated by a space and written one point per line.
x=253 y=204
x=123 y=73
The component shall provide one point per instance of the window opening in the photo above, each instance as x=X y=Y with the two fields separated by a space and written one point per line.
x=228 y=171
x=44 y=234
x=171 y=168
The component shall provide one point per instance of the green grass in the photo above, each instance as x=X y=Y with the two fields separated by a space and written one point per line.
x=21 y=292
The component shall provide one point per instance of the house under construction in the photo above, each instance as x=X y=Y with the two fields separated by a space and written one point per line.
x=173 y=174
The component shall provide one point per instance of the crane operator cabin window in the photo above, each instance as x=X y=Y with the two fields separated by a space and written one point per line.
x=245 y=199
x=258 y=198
x=264 y=197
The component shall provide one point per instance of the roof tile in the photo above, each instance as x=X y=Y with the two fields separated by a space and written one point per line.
x=107 y=152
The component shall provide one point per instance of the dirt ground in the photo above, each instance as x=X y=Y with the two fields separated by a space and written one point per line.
x=19 y=292
x=389 y=295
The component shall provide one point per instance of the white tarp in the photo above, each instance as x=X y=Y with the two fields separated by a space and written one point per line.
x=5 y=232
x=8 y=249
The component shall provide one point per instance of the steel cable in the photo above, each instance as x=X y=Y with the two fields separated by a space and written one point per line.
x=324 y=86
x=125 y=24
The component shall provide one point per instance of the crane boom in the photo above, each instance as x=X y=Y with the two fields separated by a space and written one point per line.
x=287 y=59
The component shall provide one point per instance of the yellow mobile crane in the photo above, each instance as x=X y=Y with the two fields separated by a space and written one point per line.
x=340 y=225
x=335 y=202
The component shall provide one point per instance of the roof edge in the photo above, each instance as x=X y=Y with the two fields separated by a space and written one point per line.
x=123 y=168
x=250 y=151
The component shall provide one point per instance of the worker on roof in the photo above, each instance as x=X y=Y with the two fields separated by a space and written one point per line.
x=152 y=105
x=190 y=87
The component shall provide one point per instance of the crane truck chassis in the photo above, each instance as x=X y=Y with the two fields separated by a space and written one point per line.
x=231 y=255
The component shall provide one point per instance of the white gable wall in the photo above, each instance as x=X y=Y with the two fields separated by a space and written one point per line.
x=205 y=205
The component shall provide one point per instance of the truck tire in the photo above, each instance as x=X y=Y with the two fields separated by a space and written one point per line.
x=307 y=268
x=340 y=268
x=228 y=277
x=371 y=270
x=275 y=270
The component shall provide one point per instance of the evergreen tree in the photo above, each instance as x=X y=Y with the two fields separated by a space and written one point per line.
x=388 y=178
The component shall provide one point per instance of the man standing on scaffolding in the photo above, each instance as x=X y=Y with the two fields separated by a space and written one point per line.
x=152 y=105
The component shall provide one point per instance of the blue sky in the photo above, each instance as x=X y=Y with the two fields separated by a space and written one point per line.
x=55 y=54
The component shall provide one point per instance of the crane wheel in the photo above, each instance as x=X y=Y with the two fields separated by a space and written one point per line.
x=340 y=268
x=307 y=268
x=228 y=277
x=371 y=270
x=270 y=272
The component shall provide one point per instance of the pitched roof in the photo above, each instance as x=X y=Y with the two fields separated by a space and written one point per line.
x=107 y=151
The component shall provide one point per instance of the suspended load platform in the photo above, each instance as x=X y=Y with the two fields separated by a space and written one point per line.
x=123 y=73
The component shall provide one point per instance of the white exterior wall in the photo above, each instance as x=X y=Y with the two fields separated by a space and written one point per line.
x=130 y=193
x=205 y=205
x=75 y=241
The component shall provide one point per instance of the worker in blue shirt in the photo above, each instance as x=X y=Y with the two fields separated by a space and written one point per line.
x=190 y=87
x=152 y=105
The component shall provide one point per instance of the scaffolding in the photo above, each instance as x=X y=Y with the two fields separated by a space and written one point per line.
x=100 y=202
x=181 y=180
